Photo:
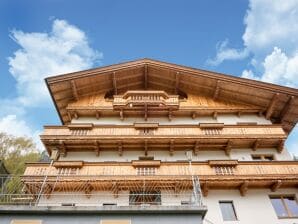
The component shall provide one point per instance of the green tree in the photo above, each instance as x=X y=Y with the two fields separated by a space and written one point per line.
x=16 y=151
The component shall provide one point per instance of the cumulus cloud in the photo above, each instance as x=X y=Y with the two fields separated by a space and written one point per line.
x=226 y=53
x=64 y=49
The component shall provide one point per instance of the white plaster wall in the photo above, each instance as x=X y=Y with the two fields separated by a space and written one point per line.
x=169 y=197
x=238 y=154
x=224 y=118
x=79 y=198
x=254 y=208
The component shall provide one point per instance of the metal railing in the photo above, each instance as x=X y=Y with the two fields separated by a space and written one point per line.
x=67 y=190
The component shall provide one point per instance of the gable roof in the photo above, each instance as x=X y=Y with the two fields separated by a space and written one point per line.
x=279 y=103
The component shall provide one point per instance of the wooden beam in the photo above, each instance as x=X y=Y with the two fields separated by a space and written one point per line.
x=97 y=114
x=271 y=106
x=115 y=189
x=74 y=90
x=194 y=115
x=256 y=145
x=62 y=148
x=120 y=148
x=243 y=188
x=75 y=114
x=215 y=115
x=196 y=147
x=170 y=115
x=172 y=146
x=121 y=113
x=228 y=148
x=97 y=148
x=146 y=147
x=281 y=145
x=216 y=91
x=115 y=83
x=177 y=82
x=276 y=185
x=146 y=76
x=205 y=189
x=286 y=108
x=146 y=112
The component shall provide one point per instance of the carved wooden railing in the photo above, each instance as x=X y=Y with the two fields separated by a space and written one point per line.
x=150 y=98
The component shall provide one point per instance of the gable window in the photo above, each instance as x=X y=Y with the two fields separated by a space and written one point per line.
x=262 y=157
x=285 y=206
x=227 y=210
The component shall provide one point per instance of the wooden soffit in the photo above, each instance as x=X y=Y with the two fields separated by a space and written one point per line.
x=278 y=103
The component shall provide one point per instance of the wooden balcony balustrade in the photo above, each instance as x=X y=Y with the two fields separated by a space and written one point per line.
x=163 y=137
x=244 y=175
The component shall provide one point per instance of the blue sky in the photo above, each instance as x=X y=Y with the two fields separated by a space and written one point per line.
x=42 y=38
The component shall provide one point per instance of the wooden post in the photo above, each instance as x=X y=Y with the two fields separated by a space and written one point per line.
x=243 y=188
x=115 y=83
x=216 y=91
x=276 y=185
x=256 y=145
x=286 y=108
x=74 y=90
x=146 y=76
x=176 y=82
x=281 y=145
x=228 y=148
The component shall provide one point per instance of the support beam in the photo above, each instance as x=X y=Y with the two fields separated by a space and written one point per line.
x=97 y=148
x=74 y=90
x=121 y=113
x=97 y=114
x=146 y=111
x=281 y=145
x=88 y=190
x=243 y=188
x=62 y=148
x=256 y=144
x=215 y=115
x=120 y=148
x=170 y=115
x=146 y=147
x=228 y=148
x=146 y=77
x=276 y=185
x=205 y=189
x=69 y=116
x=286 y=108
x=196 y=148
x=115 y=83
x=75 y=114
x=216 y=91
x=271 y=106
x=177 y=83
x=177 y=188
x=172 y=145
x=194 y=115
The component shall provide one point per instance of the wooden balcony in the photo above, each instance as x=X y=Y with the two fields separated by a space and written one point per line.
x=216 y=174
x=162 y=137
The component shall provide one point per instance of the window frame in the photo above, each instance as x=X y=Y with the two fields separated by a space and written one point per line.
x=285 y=206
x=233 y=207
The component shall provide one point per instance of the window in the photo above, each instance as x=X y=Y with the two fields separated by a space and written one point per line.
x=227 y=210
x=115 y=222
x=262 y=157
x=26 y=222
x=147 y=197
x=143 y=171
x=285 y=206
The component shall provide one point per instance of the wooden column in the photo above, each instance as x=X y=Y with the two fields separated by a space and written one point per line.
x=286 y=108
x=216 y=91
x=74 y=89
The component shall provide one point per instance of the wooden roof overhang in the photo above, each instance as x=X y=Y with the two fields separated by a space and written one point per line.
x=154 y=137
x=278 y=103
x=105 y=176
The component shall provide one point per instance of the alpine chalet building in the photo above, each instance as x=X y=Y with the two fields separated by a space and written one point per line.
x=153 y=142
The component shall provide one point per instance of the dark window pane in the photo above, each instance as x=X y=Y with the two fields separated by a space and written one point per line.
x=292 y=205
x=279 y=207
x=227 y=210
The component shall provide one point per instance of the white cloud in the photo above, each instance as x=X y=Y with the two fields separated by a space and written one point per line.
x=10 y=124
x=226 y=53
x=65 y=49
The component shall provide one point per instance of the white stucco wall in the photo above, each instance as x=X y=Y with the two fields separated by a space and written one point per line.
x=239 y=154
x=224 y=118
x=254 y=208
